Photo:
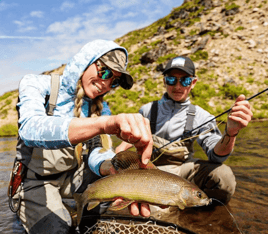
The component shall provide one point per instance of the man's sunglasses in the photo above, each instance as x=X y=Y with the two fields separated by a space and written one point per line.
x=106 y=73
x=185 y=81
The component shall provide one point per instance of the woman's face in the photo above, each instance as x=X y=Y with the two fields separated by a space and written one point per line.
x=93 y=84
x=178 y=92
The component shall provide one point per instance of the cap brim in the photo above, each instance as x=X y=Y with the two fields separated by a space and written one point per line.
x=126 y=81
x=178 y=68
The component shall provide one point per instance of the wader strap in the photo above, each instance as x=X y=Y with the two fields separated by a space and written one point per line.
x=153 y=116
x=189 y=121
x=55 y=84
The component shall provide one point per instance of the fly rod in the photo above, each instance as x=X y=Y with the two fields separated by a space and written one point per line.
x=212 y=119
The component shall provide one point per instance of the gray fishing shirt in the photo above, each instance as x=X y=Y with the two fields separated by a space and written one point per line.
x=171 y=121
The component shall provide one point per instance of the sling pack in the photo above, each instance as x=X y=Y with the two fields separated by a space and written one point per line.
x=175 y=152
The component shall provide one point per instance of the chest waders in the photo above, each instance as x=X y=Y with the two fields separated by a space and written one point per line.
x=20 y=164
x=176 y=152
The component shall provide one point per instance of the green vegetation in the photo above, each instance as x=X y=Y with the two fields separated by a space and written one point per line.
x=250 y=80
x=239 y=28
x=150 y=85
x=198 y=55
x=231 y=6
x=138 y=71
x=135 y=58
x=231 y=91
x=8 y=130
x=165 y=58
x=6 y=95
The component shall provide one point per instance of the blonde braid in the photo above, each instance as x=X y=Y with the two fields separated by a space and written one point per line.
x=97 y=106
x=79 y=98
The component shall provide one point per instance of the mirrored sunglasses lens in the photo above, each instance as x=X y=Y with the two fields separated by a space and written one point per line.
x=106 y=74
x=186 y=81
x=171 y=80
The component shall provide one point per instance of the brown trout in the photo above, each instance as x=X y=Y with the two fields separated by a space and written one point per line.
x=151 y=186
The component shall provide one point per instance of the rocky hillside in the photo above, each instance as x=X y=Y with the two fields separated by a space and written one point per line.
x=227 y=40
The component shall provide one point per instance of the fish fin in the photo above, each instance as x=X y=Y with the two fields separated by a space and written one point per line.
x=106 y=143
x=78 y=153
x=115 y=206
x=79 y=203
x=91 y=205
x=181 y=206
x=127 y=160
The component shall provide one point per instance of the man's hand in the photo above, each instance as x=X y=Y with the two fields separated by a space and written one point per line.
x=239 y=117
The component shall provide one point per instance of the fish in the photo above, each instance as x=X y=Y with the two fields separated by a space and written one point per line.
x=136 y=182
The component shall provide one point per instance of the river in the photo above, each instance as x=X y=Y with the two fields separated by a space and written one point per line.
x=249 y=205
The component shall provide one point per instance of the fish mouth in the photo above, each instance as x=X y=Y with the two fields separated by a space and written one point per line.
x=205 y=202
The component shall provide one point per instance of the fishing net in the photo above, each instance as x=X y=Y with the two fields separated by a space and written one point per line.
x=130 y=225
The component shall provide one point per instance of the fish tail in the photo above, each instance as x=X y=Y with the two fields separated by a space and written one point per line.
x=80 y=206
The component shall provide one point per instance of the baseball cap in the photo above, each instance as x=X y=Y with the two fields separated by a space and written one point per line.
x=182 y=63
x=116 y=60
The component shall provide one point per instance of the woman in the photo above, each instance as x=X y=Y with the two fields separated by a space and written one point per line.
x=47 y=143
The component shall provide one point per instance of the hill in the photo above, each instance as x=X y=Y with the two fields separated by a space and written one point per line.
x=226 y=39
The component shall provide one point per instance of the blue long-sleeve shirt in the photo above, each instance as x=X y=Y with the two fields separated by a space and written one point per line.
x=39 y=130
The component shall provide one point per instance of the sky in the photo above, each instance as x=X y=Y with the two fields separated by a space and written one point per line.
x=37 y=36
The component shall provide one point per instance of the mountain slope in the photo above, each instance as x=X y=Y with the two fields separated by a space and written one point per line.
x=227 y=40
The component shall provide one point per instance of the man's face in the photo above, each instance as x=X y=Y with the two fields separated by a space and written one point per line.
x=178 y=92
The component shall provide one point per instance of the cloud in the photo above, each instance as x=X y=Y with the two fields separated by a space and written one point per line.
x=23 y=37
x=65 y=6
x=24 y=26
x=5 y=6
x=68 y=26
x=125 y=4
x=38 y=14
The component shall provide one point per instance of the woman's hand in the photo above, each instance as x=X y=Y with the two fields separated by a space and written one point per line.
x=134 y=129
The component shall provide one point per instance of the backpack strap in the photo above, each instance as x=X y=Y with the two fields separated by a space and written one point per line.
x=153 y=116
x=55 y=84
x=189 y=120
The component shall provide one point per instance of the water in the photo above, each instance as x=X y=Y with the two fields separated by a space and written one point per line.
x=249 y=205
x=9 y=223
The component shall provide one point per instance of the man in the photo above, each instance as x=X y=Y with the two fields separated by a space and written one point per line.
x=173 y=119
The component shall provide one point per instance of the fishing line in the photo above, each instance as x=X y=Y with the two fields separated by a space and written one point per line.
x=257 y=94
x=185 y=139
x=230 y=215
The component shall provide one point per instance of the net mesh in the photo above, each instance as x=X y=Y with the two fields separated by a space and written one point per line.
x=117 y=225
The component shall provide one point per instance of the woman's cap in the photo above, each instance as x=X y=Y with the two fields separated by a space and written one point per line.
x=116 y=60
x=182 y=63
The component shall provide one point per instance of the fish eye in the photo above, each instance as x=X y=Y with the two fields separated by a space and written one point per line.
x=199 y=195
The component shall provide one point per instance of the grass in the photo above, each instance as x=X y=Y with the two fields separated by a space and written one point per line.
x=8 y=130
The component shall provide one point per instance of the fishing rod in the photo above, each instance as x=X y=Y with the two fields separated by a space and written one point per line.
x=189 y=132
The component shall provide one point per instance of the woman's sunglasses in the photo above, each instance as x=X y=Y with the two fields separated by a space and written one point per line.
x=185 y=81
x=105 y=73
